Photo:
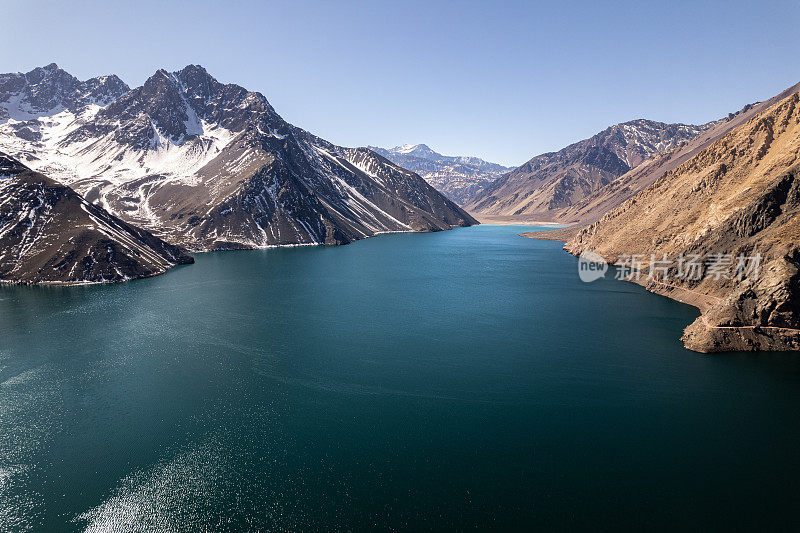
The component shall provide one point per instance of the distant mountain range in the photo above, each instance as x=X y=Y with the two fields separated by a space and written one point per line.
x=555 y=181
x=458 y=177
x=206 y=165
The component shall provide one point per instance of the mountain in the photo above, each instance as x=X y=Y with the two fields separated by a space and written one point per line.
x=554 y=181
x=50 y=234
x=49 y=90
x=598 y=203
x=458 y=177
x=210 y=166
x=734 y=203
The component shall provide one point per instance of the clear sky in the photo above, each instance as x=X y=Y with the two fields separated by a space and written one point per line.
x=501 y=80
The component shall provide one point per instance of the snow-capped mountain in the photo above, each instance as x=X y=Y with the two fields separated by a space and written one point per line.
x=207 y=165
x=458 y=177
x=45 y=91
x=557 y=180
x=50 y=234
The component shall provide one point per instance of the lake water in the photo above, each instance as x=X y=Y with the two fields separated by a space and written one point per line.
x=456 y=380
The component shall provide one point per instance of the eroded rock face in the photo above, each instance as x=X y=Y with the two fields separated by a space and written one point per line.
x=738 y=197
x=50 y=234
x=762 y=313
x=759 y=315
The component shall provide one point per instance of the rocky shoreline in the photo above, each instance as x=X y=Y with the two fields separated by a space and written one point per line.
x=702 y=335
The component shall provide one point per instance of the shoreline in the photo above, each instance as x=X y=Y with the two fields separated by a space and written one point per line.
x=684 y=296
x=502 y=220
x=560 y=233
x=701 y=336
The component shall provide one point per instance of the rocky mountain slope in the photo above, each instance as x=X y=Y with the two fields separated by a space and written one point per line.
x=209 y=166
x=735 y=200
x=554 y=181
x=50 y=234
x=458 y=177
x=598 y=203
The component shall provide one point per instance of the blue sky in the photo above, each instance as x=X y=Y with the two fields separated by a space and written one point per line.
x=501 y=80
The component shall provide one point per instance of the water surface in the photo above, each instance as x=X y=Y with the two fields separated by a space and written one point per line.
x=455 y=380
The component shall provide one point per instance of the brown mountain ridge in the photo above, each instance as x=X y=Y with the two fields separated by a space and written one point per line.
x=552 y=182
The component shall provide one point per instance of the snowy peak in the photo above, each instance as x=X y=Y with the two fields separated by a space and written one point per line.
x=230 y=105
x=424 y=152
x=199 y=87
x=50 y=78
x=197 y=81
x=179 y=103
x=99 y=91
x=458 y=177
x=417 y=150
x=41 y=91
x=163 y=101
x=48 y=90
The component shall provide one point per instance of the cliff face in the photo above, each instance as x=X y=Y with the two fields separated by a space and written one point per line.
x=737 y=198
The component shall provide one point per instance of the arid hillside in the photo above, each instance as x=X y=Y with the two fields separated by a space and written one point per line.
x=732 y=212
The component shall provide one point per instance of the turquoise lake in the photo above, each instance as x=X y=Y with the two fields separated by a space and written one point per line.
x=446 y=381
